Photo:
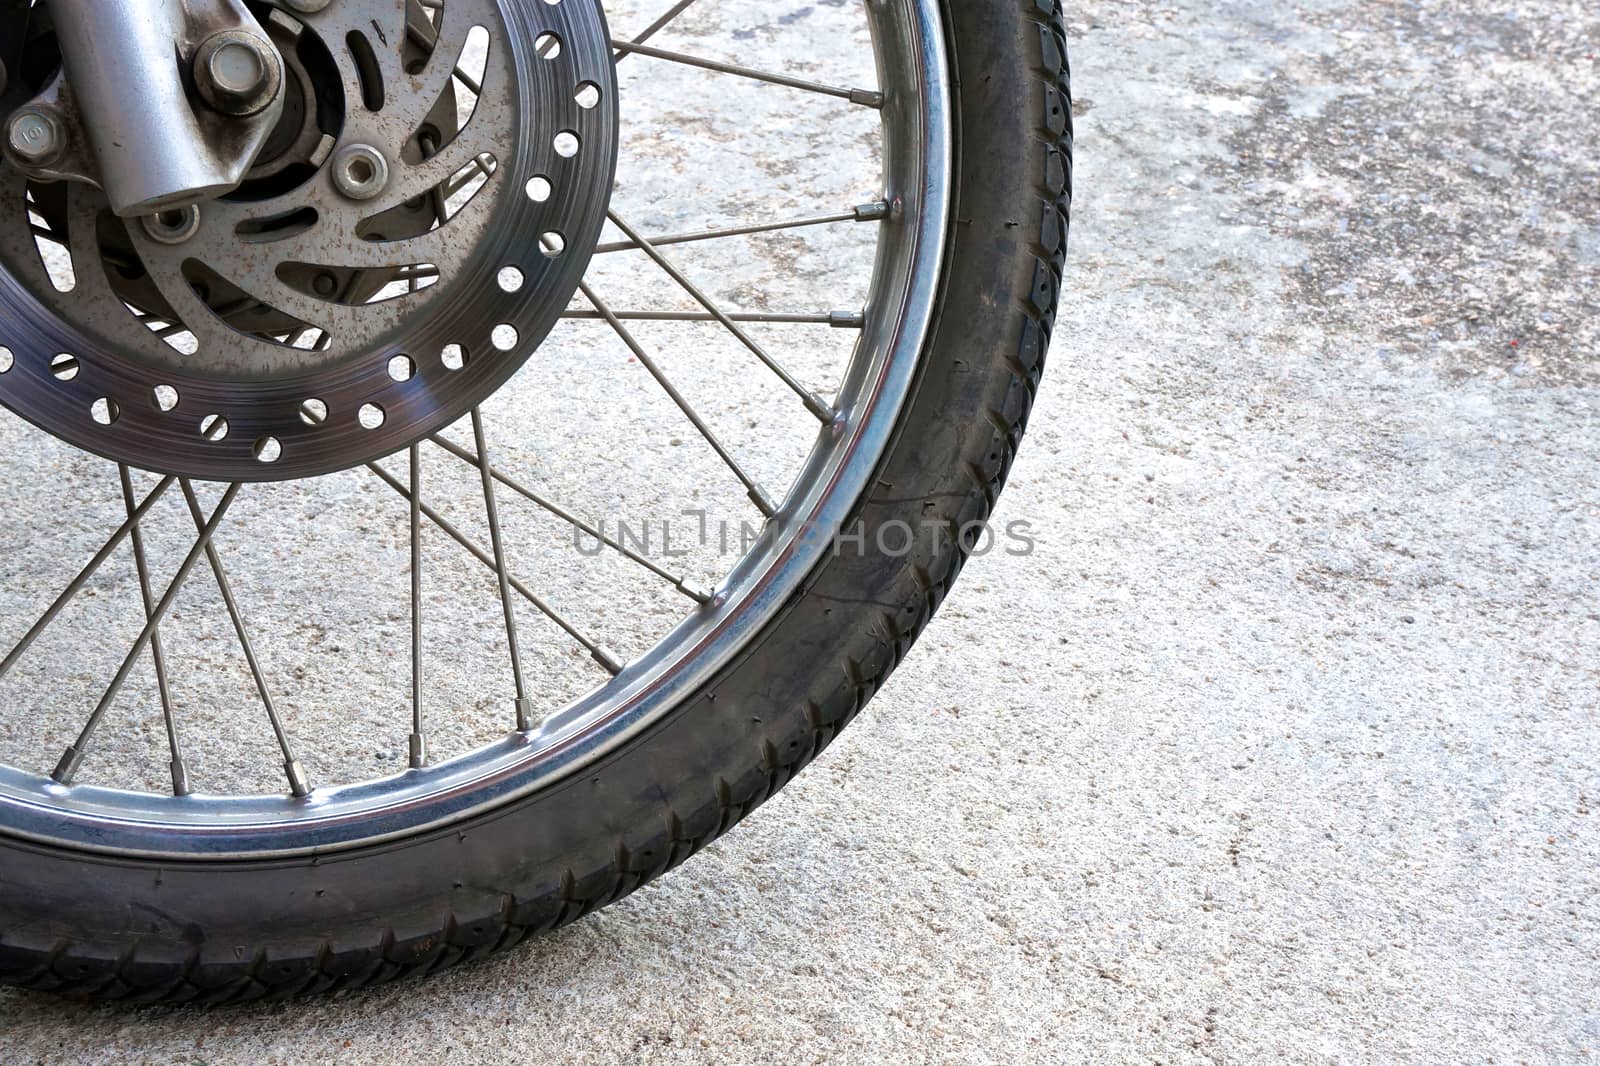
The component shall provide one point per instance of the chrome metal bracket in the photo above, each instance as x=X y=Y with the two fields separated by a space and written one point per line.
x=160 y=103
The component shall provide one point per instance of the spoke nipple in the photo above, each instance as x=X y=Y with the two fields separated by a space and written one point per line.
x=866 y=97
x=821 y=408
x=873 y=212
x=298 y=785
x=180 y=778
x=763 y=503
x=608 y=662
x=847 y=320
x=419 y=751
x=524 y=715
x=67 y=768
x=35 y=137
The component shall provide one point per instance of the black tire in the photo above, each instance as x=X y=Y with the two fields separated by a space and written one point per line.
x=96 y=926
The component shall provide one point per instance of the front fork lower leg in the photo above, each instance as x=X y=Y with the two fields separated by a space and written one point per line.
x=161 y=103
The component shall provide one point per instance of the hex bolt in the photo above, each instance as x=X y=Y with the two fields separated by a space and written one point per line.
x=237 y=73
x=35 y=137
x=360 y=171
x=307 y=7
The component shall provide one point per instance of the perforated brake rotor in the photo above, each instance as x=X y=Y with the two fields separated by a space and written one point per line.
x=407 y=238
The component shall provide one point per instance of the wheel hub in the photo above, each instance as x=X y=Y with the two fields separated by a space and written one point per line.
x=416 y=224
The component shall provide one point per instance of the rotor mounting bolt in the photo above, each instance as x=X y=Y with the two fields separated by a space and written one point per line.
x=307 y=7
x=174 y=225
x=360 y=171
x=35 y=137
x=237 y=73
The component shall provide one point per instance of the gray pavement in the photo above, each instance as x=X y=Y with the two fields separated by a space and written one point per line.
x=1283 y=746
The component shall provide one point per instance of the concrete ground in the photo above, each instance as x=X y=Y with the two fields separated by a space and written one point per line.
x=1283 y=745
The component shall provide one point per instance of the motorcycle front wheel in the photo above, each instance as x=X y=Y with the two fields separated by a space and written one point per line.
x=395 y=577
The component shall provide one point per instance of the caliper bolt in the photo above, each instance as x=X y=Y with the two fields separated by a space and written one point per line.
x=35 y=137
x=360 y=171
x=307 y=7
x=237 y=73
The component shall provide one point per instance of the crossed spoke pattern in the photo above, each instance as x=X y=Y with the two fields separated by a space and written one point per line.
x=423 y=516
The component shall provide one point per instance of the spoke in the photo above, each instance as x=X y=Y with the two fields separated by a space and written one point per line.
x=865 y=213
x=424 y=34
x=472 y=84
x=597 y=652
x=419 y=742
x=291 y=766
x=226 y=312
x=864 y=97
x=757 y=495
x=814 y=403
x=659 y=24
x=440 y=197
x=415 y=273
x=469 y=81
x=492 y=509
x=678 y=582
x=73 y=756
x=158 y=655
x=483 y=164
x=83 y=577
x=836 y=319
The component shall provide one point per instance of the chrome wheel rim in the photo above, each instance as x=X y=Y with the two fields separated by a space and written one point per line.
x=860 y=418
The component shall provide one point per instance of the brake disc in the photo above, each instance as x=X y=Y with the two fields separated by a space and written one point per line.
x=415 y=226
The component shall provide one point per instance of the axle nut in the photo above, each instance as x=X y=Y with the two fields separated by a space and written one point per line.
x=35 y=137
x=237 y=73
